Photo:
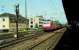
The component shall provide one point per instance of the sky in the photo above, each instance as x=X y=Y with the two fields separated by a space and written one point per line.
x=50 y=9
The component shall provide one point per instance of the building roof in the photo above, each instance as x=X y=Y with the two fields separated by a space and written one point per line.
x=13 y=17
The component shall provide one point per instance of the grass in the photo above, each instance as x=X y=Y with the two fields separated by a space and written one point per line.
x=6 y=36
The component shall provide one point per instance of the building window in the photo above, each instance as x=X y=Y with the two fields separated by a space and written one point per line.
x=41 y=22
x=3 y=25
x=3 y=19
x=40 y=25
x=31 y=22
x=31 y=26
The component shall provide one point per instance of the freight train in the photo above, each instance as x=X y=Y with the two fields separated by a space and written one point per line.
x=50 y=26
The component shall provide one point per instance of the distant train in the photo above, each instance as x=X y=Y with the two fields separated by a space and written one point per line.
x=50 y=26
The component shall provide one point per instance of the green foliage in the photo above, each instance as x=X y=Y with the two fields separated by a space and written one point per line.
x=36 y=25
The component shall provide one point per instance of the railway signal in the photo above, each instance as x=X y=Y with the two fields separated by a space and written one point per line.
x=17 y=15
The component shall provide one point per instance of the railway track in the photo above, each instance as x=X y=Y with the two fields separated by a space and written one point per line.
x=18 y=40
x=55 y=39
x=25 y=38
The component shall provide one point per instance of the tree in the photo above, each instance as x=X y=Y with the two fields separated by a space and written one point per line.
x=36 y=25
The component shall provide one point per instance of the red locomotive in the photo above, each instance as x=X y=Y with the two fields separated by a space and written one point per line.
x=49 y=26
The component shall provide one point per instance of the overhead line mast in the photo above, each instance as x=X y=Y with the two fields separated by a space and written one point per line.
x=25 y=9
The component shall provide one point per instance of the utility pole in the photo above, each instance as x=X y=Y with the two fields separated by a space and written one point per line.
x=17 y=15
x=25 y=9
x=26 y=14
